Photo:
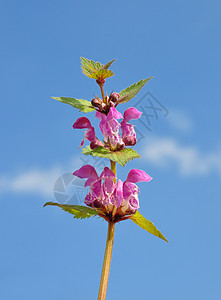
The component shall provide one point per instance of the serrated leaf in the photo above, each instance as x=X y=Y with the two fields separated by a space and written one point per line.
x=78 y=211
x=130 y=92
x=121 y=157
x=138 y=219
x=81 y=104
x=107 y=66
x=96 y=70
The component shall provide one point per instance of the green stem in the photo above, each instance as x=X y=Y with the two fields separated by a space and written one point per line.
x=114 y=169
x=107 y=262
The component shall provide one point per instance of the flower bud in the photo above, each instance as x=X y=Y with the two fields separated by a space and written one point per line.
x=100 y=81
x=95 y=144
x=130 y=141
x=103 y=107
x=96 y=102
x=120 y=147
x=111 y=104
x=114 y=97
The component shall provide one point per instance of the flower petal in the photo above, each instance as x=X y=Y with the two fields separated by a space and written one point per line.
x=95 y=189
x=108 y=188
x=127 y=130
x=90 y=134
x=87 y=171
x=131 y=114
x=119 y=193
x=133 y=204
x=136 y=175
x=129 y=189
x=81 y=123
x=100 y=116
x=113 y=114
x=107 y=174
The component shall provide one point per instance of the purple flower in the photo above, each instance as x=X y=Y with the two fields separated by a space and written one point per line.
x=127 y=129
x=105 y=194
x=82 y=123
x=110 y=128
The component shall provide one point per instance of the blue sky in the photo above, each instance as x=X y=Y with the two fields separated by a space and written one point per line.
x=44 y=252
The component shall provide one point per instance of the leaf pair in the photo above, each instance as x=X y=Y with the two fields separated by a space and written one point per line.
x=99 y=71
x=125 y=95
x=83 y=212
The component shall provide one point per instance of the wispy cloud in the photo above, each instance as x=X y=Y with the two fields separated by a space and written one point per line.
x=36 y=181
x=180 y=120
x=189 y=160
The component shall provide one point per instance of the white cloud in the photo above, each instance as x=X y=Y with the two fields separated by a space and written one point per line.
x=162 y=152
x=180 y=120
x=36 y=181
x=189 y=160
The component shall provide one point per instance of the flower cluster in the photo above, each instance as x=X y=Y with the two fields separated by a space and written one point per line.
x=109 y=196
x=115 y=199
x=110 y=129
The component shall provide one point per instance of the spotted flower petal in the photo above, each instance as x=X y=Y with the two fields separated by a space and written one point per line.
x=107 y=174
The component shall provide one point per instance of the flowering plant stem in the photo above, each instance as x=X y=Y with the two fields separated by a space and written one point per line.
x=109 y=197
x=102 y=93
x=106 y=262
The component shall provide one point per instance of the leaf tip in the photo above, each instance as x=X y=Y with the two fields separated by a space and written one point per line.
x=47 y=203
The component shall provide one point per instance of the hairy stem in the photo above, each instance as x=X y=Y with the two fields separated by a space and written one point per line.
x=106 y=262
x=102 y=93
x=114 y=169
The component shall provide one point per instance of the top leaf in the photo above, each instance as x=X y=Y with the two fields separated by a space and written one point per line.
x=132 y=90
x=96 y=70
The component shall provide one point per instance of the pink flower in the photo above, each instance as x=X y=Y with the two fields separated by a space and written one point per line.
x=127 y=129
x=82 y=123
x=105 y=194
x=110 y=128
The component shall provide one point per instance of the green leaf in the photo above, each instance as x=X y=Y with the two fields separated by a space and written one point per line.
x=138 y=219
x=101 y=74
x=79 y=211
x=132 y=90
x=96 y=70
x=89 y=66
x=82 y=105
x=121 y=157
x=107 y=66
